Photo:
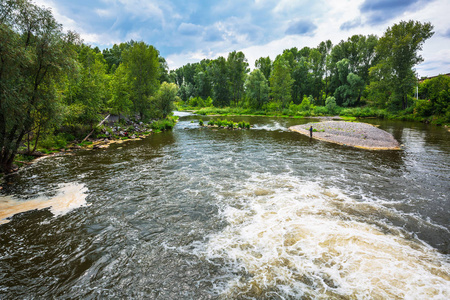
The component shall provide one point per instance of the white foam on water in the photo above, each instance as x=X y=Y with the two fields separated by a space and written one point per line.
x=270 y=127
x=68 y=197
x=297 y=239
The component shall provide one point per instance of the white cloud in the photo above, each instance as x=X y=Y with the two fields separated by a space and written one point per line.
x=258 y=28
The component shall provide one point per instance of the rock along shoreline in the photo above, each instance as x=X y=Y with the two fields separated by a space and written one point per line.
x=354 y=134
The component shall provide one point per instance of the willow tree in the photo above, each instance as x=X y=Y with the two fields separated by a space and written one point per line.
x=33 y=53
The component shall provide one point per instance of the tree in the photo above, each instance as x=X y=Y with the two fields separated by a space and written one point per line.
x=398 y=51
x=265 y=65
x=360 y=53
x=219 y=79
x=281 y=82
x=351 y=85
x=325 y=49
x=143 y=67
x=89 y=86
x=33 y=54
x=257 y=88
x=162 y=102
x=120 y=92
x=317 y=63
x=237 y=70
x=437 y=92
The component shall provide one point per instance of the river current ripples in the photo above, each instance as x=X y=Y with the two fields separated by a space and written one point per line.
x=200 y=213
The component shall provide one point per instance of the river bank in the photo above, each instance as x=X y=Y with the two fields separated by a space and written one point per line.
x=322 y=112
x=103 y=136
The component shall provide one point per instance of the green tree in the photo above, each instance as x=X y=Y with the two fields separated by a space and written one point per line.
x=257 y=88
x=398 y=51
x=437 y=92
x=265 y=65
x=162 y=102
x=330 y=104
x=120 y=101
x=237 y=71
x=281 y=82
x=361 y=55
x=89 y=90
x=34 y=52
x=219 y=80
x=143 y=67
x=351 y=85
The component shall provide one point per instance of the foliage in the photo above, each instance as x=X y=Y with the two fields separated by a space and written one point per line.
x=398 y=51
x=162 y=125
x=331 y=105
x=257 y=89
x=437 y=91
x=281 y=82
x=142 y=63
x=199 y=102
x=162 y=102
x=358 y=71
x=237 y=70
x=120 y=101
x=228 y=124
x=264 y=64
x=34 y=53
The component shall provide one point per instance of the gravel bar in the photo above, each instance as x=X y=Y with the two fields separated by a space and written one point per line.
x=354 y=134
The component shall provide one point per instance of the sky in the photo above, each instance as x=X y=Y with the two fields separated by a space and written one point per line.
x=187 y=31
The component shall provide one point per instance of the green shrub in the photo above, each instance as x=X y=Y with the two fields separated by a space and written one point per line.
x=423 y=108
x=229 y=124
x=161 y=125
x=320 y=110
x=331 y=105
x=52 y=142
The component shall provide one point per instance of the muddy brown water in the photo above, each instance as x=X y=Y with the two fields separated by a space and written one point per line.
x=198 y=213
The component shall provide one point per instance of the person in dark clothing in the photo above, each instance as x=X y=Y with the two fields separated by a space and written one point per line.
x=310 y=131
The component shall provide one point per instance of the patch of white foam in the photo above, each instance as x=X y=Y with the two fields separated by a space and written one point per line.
x=296 y=239
x=270 y=127
x=68 y=197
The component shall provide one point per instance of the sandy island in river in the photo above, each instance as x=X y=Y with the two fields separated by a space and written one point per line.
x=359 y=135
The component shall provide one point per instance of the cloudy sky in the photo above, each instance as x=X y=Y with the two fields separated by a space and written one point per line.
x=190 y=30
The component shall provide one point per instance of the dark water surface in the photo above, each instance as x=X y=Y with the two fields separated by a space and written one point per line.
x=265 y=213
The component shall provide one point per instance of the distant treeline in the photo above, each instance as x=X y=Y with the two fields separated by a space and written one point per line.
x=361 y=71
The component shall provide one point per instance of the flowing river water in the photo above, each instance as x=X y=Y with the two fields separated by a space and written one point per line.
x=199 y=213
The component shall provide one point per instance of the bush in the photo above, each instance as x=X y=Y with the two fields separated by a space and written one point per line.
x=320 y=111
x=162 y=125
x=229 y=124
x=331 y=105
x=306 y=103
x=423 y=108
x=54 y=142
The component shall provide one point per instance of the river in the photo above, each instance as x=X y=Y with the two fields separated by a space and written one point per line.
x=199 y=213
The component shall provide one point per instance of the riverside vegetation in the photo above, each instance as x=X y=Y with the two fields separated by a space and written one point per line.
x=55 y=89
x=364 y=76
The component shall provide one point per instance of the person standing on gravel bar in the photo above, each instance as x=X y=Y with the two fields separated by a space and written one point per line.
x=310 y=131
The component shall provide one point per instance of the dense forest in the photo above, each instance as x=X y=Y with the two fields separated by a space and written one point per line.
x=362 y=76
x=54 y=88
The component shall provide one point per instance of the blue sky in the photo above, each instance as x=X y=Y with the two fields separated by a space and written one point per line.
x=188 y=31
